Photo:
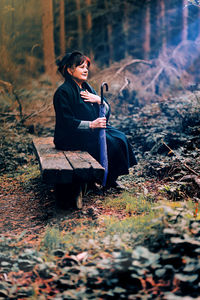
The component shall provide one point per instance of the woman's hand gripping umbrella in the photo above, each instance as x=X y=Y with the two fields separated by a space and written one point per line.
x=102 y=138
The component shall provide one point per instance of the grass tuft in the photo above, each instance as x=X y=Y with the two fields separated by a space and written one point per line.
x=53 y=239
x=130 y=203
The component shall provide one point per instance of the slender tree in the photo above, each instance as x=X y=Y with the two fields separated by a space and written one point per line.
x=109 y=32
x=80 y=25
x=162 y=27
x=13 y=15
x=88 y=16
x=89 y=27
x=48 y=38
x=147 y=31
x=185 y=20
x=125 y=25
x=62 y=27
x=198 y=36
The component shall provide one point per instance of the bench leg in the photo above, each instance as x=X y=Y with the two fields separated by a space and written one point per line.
x=79 y=197
x=70 y=195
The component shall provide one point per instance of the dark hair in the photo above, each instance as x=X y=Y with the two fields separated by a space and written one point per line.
x=69 y=60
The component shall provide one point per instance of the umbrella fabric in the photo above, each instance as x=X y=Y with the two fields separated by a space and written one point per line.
x=103 y=146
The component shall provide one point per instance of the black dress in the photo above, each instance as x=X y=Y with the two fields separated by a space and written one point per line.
x=70 y=110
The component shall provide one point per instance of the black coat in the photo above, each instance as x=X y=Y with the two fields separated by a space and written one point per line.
x=70 y=110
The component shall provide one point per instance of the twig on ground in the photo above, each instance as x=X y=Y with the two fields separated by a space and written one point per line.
x=33 y=114
x=20 y=105
x=185 y=165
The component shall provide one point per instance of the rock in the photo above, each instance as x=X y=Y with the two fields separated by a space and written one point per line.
x=44 y=271
x=4 y=294
x=25 y=292
x=4 y=290
x=59 y=253
x=160 y=273
x=26 y=265
x=186 y=278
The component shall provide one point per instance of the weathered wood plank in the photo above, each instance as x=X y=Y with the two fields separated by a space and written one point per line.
x=61 y=166
x=53 y=164
x=85 y=166
x=97 y=169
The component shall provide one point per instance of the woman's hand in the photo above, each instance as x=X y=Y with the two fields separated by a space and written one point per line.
x=89 y=97
x=98 y=123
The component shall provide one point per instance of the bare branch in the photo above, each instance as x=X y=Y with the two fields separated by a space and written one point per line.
x=154 y=79
x=134 y=61
x=127 y=82
x=33 y=114
x=185 y=165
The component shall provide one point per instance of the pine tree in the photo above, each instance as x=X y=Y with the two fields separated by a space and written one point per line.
x=48 y=38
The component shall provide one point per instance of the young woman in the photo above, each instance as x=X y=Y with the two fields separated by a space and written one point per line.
x=77 y=118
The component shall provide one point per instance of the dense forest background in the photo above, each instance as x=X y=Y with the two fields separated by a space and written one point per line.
x=140 y=243
x=33 y=33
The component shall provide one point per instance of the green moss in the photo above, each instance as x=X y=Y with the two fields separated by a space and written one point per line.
x=130 y=203
x=132 y=224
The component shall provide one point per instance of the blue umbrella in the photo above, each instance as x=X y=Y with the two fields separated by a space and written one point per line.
x=102 y=138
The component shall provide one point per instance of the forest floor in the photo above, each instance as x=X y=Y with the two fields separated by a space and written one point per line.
x=142 y=243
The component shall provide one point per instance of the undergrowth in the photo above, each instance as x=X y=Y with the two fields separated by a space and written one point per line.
x=130 y=203
x=141 y=217
x=138 y=214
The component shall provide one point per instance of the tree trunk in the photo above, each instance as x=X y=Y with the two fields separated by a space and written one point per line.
x=89 y=27
x=80 y=31
x=88 y=16
x=162 y=27
x=13 y=17
x=198 y=35
x=109 y=31
x=62 y=27
x=185 y=20
x=126 y=26
x=147 y=34
x=48 y=38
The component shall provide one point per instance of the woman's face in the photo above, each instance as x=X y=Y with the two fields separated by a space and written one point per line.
x=79 y=73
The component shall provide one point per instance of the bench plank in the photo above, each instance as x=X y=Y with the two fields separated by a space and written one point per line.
x=97 y=169
x=53 y=164
x=59 y=166
x=85 y=166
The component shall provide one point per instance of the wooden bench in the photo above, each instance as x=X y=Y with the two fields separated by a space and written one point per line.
x=70 y=171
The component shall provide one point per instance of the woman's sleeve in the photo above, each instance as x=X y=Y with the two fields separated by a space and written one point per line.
x=64 y=110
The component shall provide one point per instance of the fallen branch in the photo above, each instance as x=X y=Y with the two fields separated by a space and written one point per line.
x=154 y=79
x=6 y=85
x=185 y=165
x=25 y=117
x=134 y=61
x=9 y=114
x=19 y=103
x=43 y=108
x=127 y=82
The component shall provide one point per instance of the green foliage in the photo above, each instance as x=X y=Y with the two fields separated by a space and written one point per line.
x=52 y=239
x=130 y=203
x=87 y=234
x=134 y=224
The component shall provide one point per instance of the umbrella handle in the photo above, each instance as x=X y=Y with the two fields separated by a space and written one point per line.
x=102 y=86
